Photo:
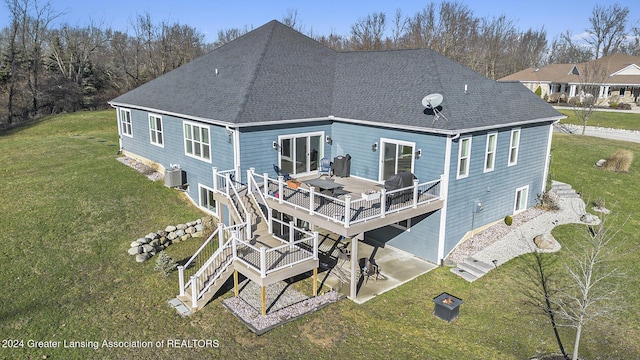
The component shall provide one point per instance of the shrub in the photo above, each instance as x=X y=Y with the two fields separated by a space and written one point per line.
x=165 y=263
x=538 y=91
x=619 y=162
x=549 y=200
x=508 y=220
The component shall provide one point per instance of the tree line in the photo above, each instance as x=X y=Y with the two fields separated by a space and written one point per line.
x=46 y=69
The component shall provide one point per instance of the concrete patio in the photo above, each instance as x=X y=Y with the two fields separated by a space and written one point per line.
x=396 y=267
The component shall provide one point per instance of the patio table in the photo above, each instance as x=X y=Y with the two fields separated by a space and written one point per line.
x=324 y=185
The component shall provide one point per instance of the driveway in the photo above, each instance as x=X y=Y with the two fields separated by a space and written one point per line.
x=613 y=134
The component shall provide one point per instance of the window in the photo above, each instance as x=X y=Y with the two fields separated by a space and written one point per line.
x=521 y=199
x=196 y=141
x=155 y=130
x=125 y=122
x=464 y=155
x=513 y=147
x=490 y=154
x=207 y=200
x=396 y=156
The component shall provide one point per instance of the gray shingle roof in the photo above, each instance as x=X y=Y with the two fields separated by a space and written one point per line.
x=276 y=74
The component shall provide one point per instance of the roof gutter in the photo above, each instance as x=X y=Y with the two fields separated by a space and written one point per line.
x=228 y=125
x=178 y=115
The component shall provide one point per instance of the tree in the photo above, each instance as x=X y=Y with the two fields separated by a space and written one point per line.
x=587 y=92
x=584 y=288
x=608 y=29
x=292 y=20
x=594 y=279
x=366 y=33
x=565 y=51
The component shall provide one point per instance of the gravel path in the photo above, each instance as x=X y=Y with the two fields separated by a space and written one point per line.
x=501 y=243
x=147 y=170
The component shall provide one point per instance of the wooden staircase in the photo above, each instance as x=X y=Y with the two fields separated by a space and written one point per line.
x=211 y=291
x=221 y=267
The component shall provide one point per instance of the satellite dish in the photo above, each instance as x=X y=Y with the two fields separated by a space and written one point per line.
x=432 y=101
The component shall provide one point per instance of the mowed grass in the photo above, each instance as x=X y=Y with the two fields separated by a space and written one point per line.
x=606 y=119
x=70 y=210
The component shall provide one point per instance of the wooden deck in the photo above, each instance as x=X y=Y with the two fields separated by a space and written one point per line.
x=364 y=215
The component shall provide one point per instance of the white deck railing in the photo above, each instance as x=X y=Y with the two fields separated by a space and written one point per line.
x=348 y=211
x=301 y=246
x=224 y=183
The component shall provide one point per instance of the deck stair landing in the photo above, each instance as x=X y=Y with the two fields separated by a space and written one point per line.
x=472 y=269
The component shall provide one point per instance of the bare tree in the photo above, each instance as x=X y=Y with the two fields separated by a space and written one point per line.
x=565 y=51
x=367 y=33
x=592 y=75
x=399 y=27
x=292 y=20
x=227 y=35
x=32 y=19
x=633 y=44
x=529 y=50
x=608 y=29
x=496 y=34
x=594 y=280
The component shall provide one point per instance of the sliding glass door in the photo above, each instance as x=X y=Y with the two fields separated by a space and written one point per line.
x=300 y=154
x=395 y=156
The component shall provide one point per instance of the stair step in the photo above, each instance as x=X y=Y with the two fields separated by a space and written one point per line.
x=479 y=264
x=213 y=288
x=557 y=185
x=463 y=274
x=471 y=269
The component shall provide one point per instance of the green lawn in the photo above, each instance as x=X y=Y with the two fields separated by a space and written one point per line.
x=70 y=210
x=607 y=119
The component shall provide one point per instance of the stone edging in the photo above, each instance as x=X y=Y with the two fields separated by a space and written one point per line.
x=145 y=247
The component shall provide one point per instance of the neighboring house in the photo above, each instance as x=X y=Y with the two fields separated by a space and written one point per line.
x=613 y=79
x=277 y=97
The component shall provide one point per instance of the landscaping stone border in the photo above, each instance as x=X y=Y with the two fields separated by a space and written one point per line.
x=145 y=247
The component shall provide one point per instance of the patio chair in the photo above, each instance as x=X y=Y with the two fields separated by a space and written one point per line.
x=280 y=172
x=325 y=167
x=369 y=268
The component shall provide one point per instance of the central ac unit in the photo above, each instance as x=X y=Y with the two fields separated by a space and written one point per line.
x=173 y=177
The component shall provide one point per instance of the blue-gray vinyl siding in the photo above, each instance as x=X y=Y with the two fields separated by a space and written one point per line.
x=256 y=145
x=357 y=140
x=197 y=171
x=495 y=190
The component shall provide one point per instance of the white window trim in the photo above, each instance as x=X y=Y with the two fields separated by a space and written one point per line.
x=396 y=142
x=123 y=124
x=184 y=137
x=468 y=157
x=204 y=208
x=308 y=135
x=487 y=152
x=525 y=191
x=514 y=147
x=159 y=133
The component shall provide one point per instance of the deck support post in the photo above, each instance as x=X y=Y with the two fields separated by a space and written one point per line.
x=264 y=300
x=235 y=282
x=315 y=281
x=354 y=267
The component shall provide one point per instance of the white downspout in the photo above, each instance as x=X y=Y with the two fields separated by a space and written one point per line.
x=236 y=151
x=444 y=194
x=547 y=161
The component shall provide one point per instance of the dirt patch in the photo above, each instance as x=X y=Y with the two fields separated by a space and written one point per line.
x=326 y=331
